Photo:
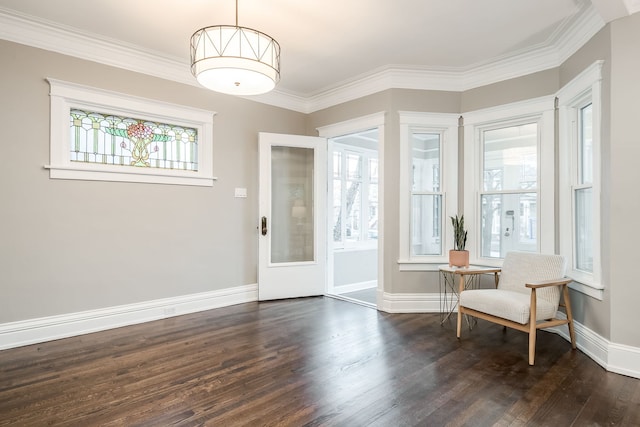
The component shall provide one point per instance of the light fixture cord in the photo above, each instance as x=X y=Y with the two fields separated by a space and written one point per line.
x=236 y=13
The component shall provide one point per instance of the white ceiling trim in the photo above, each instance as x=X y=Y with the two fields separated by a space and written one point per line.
x=561 y=46
x=585 y=27
x=47 y=35
x=30 y=31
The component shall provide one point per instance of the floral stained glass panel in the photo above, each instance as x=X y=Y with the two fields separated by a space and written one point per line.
x=115 y=140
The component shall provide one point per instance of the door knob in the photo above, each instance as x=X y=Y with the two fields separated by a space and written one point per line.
x=264 y=225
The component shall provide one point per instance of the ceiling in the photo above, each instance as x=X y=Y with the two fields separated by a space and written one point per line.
x=329 y=47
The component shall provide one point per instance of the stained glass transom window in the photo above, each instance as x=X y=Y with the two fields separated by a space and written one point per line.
x=115 y=140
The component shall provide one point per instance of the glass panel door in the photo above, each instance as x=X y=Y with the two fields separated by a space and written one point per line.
x=292 y=215
x=292 y=230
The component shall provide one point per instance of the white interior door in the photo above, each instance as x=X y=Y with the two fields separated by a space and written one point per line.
x=292 y=232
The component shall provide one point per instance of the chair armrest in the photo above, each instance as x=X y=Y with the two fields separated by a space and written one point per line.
x=547 y=283
x=477 y=270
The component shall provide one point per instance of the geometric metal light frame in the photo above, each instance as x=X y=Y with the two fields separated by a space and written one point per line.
x=235 y=60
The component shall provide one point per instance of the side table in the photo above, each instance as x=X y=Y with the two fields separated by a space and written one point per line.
x=468 y=278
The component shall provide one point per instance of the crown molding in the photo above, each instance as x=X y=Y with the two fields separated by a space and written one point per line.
x=27 y=30
x=282 y=99
x=561 y=45
x=30 y=31
x=578 y=33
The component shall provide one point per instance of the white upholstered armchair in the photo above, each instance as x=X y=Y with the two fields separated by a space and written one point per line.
x=527 y=296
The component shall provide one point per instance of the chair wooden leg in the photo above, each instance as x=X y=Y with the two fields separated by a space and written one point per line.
x=532 y=328
x=532 y=345
x=461 y=286
x=567 y=305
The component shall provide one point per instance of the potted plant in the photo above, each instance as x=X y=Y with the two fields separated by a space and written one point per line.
x=458 y=256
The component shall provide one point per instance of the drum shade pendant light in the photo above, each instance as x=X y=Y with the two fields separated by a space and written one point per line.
x=235 y=60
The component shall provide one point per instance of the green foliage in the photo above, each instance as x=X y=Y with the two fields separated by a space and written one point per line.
x=160 y=137
x=116 y=132
x=459 y=233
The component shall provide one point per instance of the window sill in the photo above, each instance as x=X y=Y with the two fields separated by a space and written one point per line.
x=124 y=174
x=365 y=245
x=589 y=290
x=586 y=283
x=419 y=265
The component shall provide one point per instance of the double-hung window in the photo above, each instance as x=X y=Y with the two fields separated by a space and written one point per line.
x=426 y=193
x=428 y=189
x=509 y=193
x=579 y=115
x=509 y=180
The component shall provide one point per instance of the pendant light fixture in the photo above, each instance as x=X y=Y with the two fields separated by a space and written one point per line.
x=235 y=60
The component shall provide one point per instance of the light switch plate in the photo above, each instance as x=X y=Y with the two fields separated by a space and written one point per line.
x=241 y=192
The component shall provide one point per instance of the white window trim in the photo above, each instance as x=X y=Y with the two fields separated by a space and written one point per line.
x=584 y=87
x=447 y=125
x=64 y=96
x=540 y=110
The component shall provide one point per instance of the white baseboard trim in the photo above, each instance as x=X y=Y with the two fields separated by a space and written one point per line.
x=354 y=287
x=624 y=359
x=618 y=358
x=26 y=332
x=590 y=343
x=410 y=303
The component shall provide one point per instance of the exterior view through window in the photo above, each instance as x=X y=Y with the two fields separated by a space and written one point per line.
x=355 y=194
x=584 y=192
x=509 y=197
x=426 y=195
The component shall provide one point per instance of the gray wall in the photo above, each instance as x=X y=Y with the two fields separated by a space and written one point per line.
x=355 y=266
x=526 y=87
x=68 y=246
x=624 y=190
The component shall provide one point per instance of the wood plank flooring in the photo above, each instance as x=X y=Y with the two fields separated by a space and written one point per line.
x=309 y=362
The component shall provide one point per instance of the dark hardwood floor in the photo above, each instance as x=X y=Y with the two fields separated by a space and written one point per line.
x=309 y=362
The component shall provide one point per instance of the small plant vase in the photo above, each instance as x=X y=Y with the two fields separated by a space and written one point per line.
x=458 y=258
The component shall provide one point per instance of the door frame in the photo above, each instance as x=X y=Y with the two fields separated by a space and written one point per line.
x=359 y=124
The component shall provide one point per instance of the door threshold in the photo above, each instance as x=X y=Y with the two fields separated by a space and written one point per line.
x=352 y=300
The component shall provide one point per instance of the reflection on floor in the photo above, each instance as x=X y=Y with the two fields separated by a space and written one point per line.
x=365 y=297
